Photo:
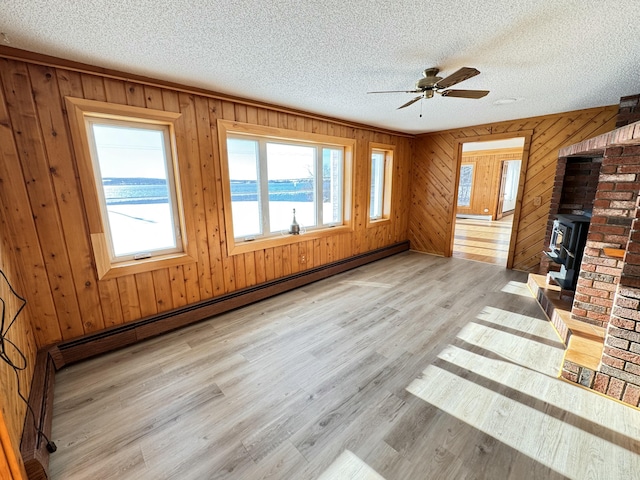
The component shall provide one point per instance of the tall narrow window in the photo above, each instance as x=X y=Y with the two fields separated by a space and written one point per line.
x=244 y=173
x=466 y=185
x=128 y=167
x=381 y=169
x=134 y=174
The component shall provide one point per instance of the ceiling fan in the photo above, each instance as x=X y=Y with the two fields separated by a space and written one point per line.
x=431 y=84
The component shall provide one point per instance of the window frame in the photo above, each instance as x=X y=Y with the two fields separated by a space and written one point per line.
x=237 y=246
x=79 y=111
x=471 y=189
x=387 y=183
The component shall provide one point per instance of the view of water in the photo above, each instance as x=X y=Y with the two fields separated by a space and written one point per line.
x=246 y=191
x=135 y=194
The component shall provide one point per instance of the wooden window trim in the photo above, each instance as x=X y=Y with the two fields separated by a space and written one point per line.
x=78 y=109
x=234 y=247
x=387 y=195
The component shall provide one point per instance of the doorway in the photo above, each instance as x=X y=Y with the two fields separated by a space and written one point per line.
x=488 y=187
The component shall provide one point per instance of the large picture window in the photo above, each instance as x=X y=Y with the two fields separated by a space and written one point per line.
x=270 y=173
x=127 y=160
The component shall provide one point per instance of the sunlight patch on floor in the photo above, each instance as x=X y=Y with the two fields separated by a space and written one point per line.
x=349 y=467
x=506 y=386
x=517 y=321
x=561 y=446
x=522 y=351
x=517 y=288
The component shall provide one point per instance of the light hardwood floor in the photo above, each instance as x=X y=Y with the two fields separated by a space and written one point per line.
x=414 y=367
x=483 y=240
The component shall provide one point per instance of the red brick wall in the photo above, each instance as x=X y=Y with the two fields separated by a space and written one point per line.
x=614 y=207
x=580 y=184
x=574 y=188
x=619 y=371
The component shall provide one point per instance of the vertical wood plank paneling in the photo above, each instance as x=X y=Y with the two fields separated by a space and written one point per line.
x=261 y=274
x=187 y=108
x=46 y=203
x=269 y=264
x=110 y=302
x=295 y=258
x=12 y=410
x=434 y=170
x=93 y=87
x=19 y=223
x=228 y=273
x=28 y=138
x=129 y=298
x=277 y=262
x=171 y=103
x=153 y=97
x=178 y=290
x=209 y=186
x=68 y=198
x=135 y=94
x=162 y=287
x=115 y=91
x=239 y=266
x=146 y=294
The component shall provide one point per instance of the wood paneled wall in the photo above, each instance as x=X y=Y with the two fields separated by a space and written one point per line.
x=435 y=167
x=487 y=168
x=44 y=201
x=21 y=334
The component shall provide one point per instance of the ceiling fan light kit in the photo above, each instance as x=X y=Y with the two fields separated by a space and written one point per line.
x=431 y=83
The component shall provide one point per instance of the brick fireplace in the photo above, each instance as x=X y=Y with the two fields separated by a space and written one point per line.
x=601 y=177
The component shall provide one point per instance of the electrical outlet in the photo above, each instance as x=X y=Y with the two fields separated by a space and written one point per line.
x=303 y=259
x=537 y=201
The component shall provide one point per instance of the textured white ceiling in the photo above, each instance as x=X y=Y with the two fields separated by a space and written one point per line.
x=323 y=56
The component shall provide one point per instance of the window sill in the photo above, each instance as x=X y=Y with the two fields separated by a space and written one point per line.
x=237 y=248
x=378 y=222
x=108 y=270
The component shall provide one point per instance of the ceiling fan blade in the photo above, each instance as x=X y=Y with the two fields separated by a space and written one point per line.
x=461 y=75
x=398 y=91
x=464 y=93
x=410 y=102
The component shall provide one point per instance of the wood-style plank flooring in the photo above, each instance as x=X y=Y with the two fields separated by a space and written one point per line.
x=414 y=367
x=483 y=240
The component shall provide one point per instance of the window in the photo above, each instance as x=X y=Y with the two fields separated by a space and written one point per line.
x=133 y=167
x=466 y=185
x=381 y=179
x=128 y=169
x=270 y=173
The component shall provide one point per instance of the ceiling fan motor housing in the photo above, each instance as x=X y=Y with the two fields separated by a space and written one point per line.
x=429 y=79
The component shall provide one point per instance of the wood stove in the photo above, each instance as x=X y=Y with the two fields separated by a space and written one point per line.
x=568 y=239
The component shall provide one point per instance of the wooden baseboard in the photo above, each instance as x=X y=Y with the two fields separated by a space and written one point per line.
x=33 y=446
